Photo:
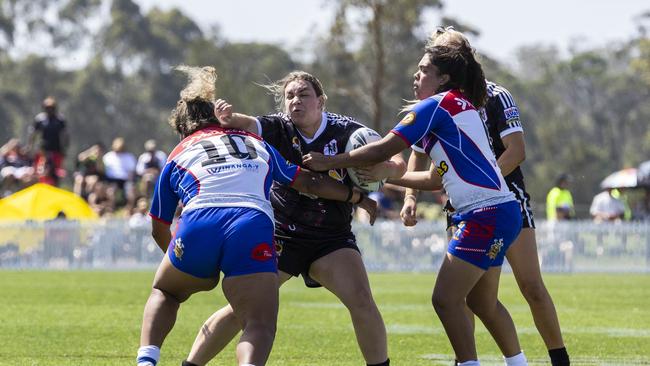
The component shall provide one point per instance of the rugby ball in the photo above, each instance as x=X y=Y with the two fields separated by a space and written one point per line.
x=362 y=137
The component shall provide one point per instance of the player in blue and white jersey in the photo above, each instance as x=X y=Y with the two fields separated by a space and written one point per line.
x=505 y=130
x=222 y=177
x=447 y=126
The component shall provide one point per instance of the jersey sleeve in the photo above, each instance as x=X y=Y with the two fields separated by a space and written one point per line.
x=270 y=127
x=418 y=122
x=165 y=200
x=417 y=147
x=504 y=111
x=282 y=170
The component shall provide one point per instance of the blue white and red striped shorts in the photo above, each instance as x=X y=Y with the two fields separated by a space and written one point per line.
x=485 y=234
x=233 y=240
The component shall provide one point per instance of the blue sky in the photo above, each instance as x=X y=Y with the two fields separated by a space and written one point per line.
x=505 y=24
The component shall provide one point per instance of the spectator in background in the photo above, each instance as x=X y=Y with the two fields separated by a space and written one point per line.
x=607 y=206
x=100 y=200
x=16 y=171
x=50 y=127
x=90 y=170
x=140 y=214
x=149 y=166
x=559 y=201
x=119 y=166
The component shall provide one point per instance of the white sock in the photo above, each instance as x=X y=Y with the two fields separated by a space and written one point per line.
x=148 y=355
x=470 y=363
x=517 y=360
x=246 y=364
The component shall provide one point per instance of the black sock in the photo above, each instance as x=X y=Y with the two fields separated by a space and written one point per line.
x=187 y=363
x=385 y=363
x=559 y=357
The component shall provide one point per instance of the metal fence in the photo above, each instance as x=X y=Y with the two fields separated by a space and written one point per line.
x=576 y=246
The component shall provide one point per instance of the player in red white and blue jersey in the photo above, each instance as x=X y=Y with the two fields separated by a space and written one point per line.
x=447 y=126
x=506 y=133
x=222 y=177
x=220 y=168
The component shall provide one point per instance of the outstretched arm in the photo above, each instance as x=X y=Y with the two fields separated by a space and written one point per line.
x=223 y=112
x=370 y=154
x=394 y=168
x=424 y=180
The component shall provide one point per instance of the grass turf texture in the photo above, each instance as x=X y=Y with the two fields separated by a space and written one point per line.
x=93 y=318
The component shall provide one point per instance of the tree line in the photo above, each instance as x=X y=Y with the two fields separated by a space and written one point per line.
x=586 y=114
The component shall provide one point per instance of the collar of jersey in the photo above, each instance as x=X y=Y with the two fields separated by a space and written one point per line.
x=321 y=128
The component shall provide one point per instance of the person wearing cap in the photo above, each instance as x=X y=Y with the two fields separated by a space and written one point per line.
x=559 y=201
x=50 y=128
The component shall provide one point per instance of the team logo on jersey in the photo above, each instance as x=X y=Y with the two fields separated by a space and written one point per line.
x=462 y=103
x=278 y=247
x=495 y=248
x=511 y=113
x=461 y=227
x=337 y=174
x=408 y=119
x=442 y=168
x=295 y=143
x=237 y=166
x=331 y=148
x=262 y=252
x=179 y=249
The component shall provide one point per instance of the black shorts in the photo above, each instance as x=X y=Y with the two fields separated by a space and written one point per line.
x=295 y=255
x=519 y=189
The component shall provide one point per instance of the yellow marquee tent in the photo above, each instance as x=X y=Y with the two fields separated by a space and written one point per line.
x=43 y=202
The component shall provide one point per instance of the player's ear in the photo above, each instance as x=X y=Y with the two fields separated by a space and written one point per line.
x=444 y=79
x=321 y=101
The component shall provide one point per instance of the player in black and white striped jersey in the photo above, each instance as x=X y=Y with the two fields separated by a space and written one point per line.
x=501 y=117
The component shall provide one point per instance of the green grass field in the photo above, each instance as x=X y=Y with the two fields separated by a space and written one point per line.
x=93 y=318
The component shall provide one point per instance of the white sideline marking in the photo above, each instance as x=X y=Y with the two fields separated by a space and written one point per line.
x=609 y=332
x=492 y=360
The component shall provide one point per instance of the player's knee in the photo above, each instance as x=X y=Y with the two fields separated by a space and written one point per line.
x=534 y=292
x=442 y=303
x=167 y=296
x=360 y=300
x=482 y=309
x=263 y=328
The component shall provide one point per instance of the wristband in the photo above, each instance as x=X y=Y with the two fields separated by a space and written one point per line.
x=350 y=194
x=410 y=196
x=361 y=196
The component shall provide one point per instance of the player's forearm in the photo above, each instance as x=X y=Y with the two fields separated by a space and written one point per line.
x=510 y=160
x=240 y=121
x=417 y=162
x=414 y=181
x=325 y=187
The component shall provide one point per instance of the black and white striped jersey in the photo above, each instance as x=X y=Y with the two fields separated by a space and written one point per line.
x=309 y=217
x=501 y=117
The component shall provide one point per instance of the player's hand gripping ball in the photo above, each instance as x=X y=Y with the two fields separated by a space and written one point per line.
x=362 y=137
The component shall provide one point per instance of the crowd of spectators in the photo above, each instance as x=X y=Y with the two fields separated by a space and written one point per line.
x=109 y=181
x=113 y=182
x=116 y=182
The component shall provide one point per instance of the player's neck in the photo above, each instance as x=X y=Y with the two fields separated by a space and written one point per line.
x=309 y=129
